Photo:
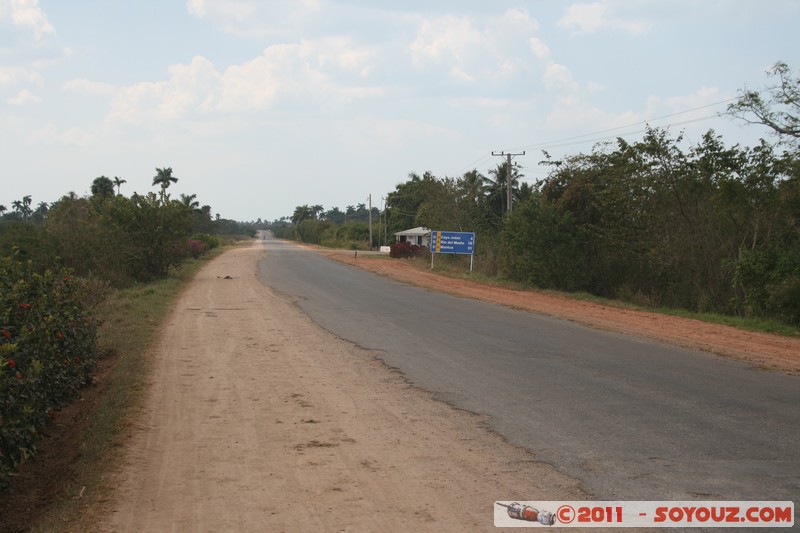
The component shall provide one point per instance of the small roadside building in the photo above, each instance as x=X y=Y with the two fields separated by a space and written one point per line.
x=419 y=236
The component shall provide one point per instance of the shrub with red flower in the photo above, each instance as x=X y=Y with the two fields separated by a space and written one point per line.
x=403 y=250
x=196 y=248
x=44 y=325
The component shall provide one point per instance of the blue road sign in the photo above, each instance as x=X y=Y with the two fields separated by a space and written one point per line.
x=452 y=242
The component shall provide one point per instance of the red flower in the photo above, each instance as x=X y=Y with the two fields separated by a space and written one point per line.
x=11 y=363
x=59 y=335
x=25 y=306
x=4 y=333
x=19 y=375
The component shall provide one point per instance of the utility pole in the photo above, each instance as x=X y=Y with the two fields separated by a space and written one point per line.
x=385 y=220
x=369 y=199
x=508 y=176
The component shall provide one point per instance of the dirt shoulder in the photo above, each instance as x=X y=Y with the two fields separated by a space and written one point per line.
x=762 y=350
x=258 y=420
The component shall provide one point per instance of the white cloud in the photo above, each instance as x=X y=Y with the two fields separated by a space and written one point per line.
x=341 y=52
x=253 y=18
x=476 y=50
x=28 y=15
x=691 y=107
x=14 y=75
x=49 y=134
x=196 y=8
x=572 y=113
x=478 y=102
x=539 y=48
x=226 y=10
x=558 y=78
x=89 y=87
x=308 y=72
x=590 y=18
x=188 y=87
x=594 y=87
x=24 y=97
x=448 y=37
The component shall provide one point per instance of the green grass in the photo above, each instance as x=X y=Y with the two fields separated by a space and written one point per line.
x=131 y=319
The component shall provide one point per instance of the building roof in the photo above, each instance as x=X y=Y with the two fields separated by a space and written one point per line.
x=415 y=232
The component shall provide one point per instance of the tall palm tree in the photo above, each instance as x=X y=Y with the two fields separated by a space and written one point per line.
x=23 y=207
x=3 y=209
x=301 y=213
x=164 y=179
x=118 y=183
x=316 y=210
x=189 y=201
x=471 y=185
x=496 y=190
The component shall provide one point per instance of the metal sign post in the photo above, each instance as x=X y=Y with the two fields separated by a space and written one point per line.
x=453 y=242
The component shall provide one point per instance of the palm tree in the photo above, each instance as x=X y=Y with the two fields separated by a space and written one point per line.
x=40 y=213
x=301 y=213
x=3 y=209
x=118 y=183
x=316 y=210
x=189 y=201
x=471 y=185
x=496 y=190
x=164 y=179
x=102 y=186
x=23 y=207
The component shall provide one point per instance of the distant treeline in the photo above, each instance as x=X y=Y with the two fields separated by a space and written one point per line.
x=707 y=228
x=711 y=228
x=112 y=237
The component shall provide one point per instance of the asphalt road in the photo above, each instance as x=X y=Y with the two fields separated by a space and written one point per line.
x=632 y=419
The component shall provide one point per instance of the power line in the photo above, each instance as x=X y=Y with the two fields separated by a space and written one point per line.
x=640 y=123
x=582 y=139
x=634 y=132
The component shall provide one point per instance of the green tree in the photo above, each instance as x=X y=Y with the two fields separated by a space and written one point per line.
x=544 y=247
x=41 y=212
x=23 y=207
x=118 y=183
x=317 y=210
x=301 y=213
x=777 y=106
x=496 y=190
x=102 y=186
x=335 y=215
x=189 y=200
x=404 y=202
x=164 y=179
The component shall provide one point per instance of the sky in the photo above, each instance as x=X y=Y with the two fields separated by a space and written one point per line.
x=259 y=106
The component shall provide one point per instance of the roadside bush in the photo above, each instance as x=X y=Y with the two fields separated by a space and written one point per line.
x=209 y=241
x=48 y=351
x=196 y=248
x=404 y=250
